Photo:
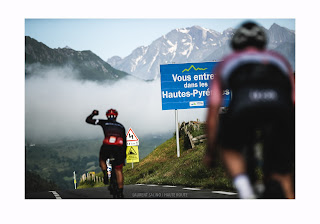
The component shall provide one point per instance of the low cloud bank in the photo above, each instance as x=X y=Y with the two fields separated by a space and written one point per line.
x=57 y=104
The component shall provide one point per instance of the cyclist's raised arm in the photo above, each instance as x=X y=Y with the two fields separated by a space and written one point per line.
x=90 y=119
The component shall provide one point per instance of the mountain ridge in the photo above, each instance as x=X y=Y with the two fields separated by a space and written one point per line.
x=89 y=65
x=194 y=44
x=180 y=45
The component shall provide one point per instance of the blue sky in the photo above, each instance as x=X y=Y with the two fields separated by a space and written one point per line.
x=110 y=37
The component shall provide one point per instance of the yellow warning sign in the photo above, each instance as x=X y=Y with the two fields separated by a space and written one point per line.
x=132 y=154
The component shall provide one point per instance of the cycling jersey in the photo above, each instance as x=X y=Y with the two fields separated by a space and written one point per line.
x=114 y=132
x=258 y=68
x=114 y=142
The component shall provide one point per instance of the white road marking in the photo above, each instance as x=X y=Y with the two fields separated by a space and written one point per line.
x=56 y=194
x=191 y=189
x=224 y=192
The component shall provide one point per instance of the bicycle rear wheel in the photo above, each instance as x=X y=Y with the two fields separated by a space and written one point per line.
x=253 y=154
x=113 y=184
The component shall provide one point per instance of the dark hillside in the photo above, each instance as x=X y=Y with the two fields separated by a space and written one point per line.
x=88 y=64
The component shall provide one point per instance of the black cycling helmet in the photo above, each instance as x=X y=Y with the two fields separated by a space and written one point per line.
x=249 y=34
x=112 y=114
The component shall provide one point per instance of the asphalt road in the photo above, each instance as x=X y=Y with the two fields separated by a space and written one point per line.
x=138 y=191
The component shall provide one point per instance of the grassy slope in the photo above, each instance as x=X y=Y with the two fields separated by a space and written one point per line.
x=163 y=167
x=57 y=161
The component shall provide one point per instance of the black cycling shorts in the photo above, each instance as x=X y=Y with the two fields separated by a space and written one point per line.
x=237 y=132
x=106 y=151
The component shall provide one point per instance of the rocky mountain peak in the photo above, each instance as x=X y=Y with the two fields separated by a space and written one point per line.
x=191 y=44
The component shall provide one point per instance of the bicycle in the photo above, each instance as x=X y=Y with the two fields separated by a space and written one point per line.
x=255 y=155
x=113 y=184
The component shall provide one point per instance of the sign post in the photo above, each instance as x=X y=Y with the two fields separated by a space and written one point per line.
x=132 y=147
x=186 y=86
x=177 y=133
x=74 y=180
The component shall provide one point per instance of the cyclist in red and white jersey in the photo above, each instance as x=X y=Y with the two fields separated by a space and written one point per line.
x=263 y=93
x=114 y=143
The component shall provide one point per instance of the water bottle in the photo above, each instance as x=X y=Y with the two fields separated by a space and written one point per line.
x=109 y=168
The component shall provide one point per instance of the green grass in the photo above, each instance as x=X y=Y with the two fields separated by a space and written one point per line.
x=56 y=161
x=162 y=166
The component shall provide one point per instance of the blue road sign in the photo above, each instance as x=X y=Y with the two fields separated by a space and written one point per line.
x=186 y=86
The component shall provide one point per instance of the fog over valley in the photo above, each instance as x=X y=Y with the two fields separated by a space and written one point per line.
x=57 y=104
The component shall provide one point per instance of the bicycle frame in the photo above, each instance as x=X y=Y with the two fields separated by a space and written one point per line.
x=254 y=158
x=113 y=186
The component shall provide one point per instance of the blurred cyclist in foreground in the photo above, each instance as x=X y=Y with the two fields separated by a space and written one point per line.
x=114 y=143
x=262 y=87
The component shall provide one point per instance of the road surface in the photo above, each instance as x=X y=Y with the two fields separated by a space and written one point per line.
x=137 y=191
